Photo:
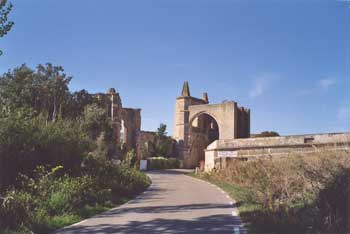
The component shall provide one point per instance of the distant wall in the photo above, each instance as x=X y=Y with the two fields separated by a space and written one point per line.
x=243 y=122
x=126 y=119
x=132 y=126
x=147 y=141
x=252 y=148
x=145 y=144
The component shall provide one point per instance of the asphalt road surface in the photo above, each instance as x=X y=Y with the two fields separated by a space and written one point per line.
x=175 y=203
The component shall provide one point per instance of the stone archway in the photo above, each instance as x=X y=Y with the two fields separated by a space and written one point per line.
x=232 y=121
x=203 y=130
x=224 y=114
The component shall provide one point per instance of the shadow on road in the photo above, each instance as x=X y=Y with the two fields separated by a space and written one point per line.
x=211 y=224
x=144 y=216
x=164 y=209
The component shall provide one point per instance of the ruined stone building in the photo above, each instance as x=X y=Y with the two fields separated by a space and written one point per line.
x=207 y=135
x=215 y=133
x=126 y=124
x=198 y=123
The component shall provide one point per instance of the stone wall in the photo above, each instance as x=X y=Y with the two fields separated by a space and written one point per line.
x=198 y=142
x=127 y=120
x=232 y=122
x=146 y=145
x=252 y=148
x=112 y=102
x=132 y=126
x=243 y=122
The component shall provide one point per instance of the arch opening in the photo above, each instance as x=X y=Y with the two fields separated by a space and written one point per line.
x=204 y=130
x=122 y=133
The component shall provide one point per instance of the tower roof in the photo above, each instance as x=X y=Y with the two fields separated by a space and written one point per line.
x=186 y=90
x=112 y=91
x=205 y=97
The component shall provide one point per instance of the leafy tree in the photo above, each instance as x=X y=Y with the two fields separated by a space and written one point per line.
x=44 y=90
x=27 y=142
x=79 y=100
x=55 y=89
x=5 y=25
x=161 y=131
x=19 y=89
x=163 y=143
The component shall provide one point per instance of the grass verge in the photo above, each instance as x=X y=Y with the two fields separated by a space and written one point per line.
x=58 y=222
x=258 y=220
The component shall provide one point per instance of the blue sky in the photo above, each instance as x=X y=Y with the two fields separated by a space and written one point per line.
x=288 y=61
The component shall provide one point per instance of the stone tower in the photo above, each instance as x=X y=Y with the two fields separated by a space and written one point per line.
x=181 y=121
x=198 y=124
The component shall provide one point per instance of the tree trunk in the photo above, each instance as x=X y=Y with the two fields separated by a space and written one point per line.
x=54 y=114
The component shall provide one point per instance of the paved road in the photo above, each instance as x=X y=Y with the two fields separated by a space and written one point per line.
x=175 y=203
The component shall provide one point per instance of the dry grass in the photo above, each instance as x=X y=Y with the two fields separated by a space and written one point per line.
x=286 y=191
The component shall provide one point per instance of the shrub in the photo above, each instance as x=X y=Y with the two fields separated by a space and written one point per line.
x=130 y=159
x=54 y=153
x=28 y=143
x=122 y=180
x=15 y=209
x=267 y=134
x=333 y=204
x=299 y=190
x=159 y=163
x=271 y=183
x=51 y=199
x=67 y=194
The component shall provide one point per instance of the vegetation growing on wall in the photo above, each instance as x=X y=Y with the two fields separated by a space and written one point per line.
x=267 y=134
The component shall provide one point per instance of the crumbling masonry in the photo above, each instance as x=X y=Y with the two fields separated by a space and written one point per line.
x=126 y=124
x=198 y=123
x=207 y=135
x=216 y=133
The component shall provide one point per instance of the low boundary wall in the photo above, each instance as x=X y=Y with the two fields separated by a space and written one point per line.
x=253 y=148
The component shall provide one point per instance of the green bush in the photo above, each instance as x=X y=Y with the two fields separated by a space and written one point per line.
x=28 y=143
x=15 y=210
x=55 y=152
x=122 y=180
x=333 y=203
x=52 y=199
x=160 y=163
x=68 y=194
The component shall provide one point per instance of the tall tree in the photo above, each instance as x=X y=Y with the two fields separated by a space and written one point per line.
x=161 y=131
x=77 y=103
x=5 y=24
x=163 y=142
x=44 y=91
x=18 y=89
x=55 y=88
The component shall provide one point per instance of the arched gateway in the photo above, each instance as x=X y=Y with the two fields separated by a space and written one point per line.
x=198 y=123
